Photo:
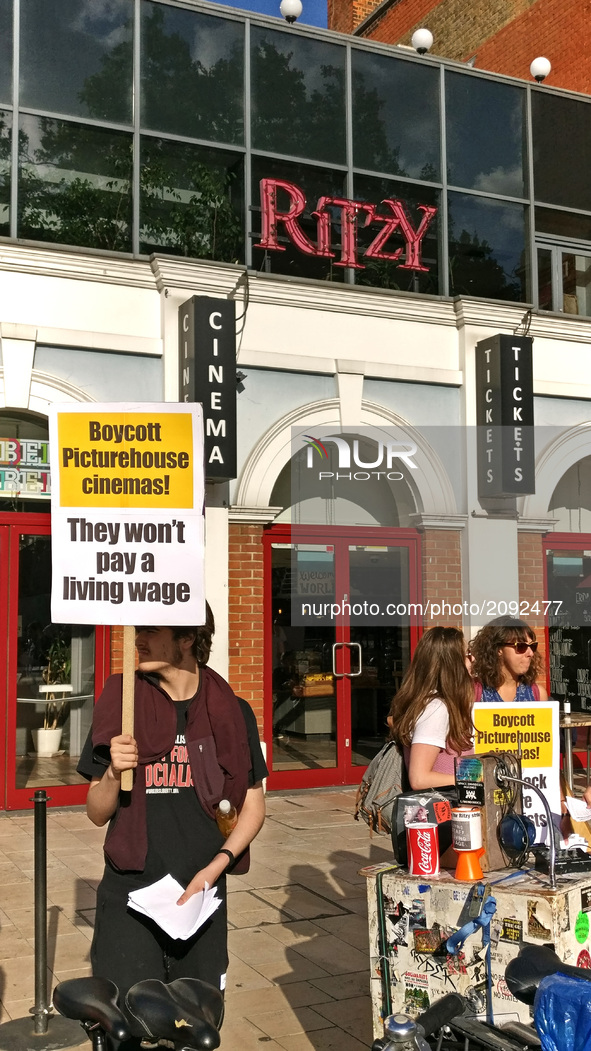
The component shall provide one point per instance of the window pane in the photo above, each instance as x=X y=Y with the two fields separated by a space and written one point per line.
x=314 y=183
x=192 y=74
x=76 y=57
x=6 y=51
x=562 y=150
x=298 y=95
x=5 y=169
x=74 y=184
x=394 y=273
x=545 y=278
x=563 y=224
x=485 y=134
x=487 y=254
x=191 y=201
x=576 y=283
x=395 y=116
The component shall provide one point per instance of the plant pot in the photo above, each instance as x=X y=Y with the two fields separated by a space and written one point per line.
x=47 y=742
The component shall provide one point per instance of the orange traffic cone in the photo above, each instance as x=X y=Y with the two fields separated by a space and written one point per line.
x=468 y=866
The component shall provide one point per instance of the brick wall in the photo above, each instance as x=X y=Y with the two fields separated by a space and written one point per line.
x=246 y=635
x=504 y=36
x=442 y=572
x=531 y=585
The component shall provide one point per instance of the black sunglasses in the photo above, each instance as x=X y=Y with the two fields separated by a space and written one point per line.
x=523 y=647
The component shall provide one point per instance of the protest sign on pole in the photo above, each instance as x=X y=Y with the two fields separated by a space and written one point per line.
x=533 y=728
x=127 y=521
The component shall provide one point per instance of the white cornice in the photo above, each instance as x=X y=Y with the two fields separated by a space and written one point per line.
x=253 y=515
x=443 y=521
x=536 y=525
x=80 y=266
x=174 y=272
x=489 y=313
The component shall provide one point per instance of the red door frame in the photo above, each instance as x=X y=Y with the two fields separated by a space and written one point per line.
x=12 y=525
x=343 y=773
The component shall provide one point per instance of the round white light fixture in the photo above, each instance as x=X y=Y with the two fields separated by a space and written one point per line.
x=540 y=68
x=422 y=41
x=291 y=10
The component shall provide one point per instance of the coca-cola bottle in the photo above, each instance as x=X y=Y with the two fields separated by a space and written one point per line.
x=226 y=816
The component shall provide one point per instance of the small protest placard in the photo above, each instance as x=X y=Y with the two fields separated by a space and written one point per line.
x=533 y=729
x=127 y=514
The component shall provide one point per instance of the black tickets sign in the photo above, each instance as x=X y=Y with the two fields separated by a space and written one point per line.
x=207 y=373
x=505 y=416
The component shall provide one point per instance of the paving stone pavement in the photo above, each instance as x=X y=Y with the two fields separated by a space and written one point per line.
x=299 y=967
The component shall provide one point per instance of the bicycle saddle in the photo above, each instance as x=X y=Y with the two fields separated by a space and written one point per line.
x=187 y=1012
x=92 y=1000
x=534 y=962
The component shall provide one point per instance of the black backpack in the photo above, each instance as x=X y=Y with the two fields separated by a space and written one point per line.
x=384 y=779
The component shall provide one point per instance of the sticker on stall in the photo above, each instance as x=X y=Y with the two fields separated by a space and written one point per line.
x=586 y=899
x=584 y=959
x=511 y=930
x=416 y=996
x=442 y=809
x=535 y=928
x=417 y=919
x=582 y=927
x=428 y=941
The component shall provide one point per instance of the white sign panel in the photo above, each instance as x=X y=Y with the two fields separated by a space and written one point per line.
x=533 y=728
x=127 y=514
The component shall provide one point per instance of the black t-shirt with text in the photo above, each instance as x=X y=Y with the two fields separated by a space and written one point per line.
x=182 y=837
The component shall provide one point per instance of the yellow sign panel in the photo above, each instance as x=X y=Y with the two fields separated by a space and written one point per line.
x=498 y=730
x=127 y=459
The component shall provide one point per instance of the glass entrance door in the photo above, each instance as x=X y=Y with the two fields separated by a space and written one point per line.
x=51 y=671
x=338 y=643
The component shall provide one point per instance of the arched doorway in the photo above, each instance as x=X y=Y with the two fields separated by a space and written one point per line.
x=52 y=671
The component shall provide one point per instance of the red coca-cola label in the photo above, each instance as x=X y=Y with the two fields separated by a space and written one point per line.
x=423 y=850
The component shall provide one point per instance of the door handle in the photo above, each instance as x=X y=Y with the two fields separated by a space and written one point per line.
x=337 y=674
x=346 y=674
x=354 y=674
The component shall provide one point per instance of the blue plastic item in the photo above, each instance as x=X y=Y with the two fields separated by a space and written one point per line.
x=562 y=1013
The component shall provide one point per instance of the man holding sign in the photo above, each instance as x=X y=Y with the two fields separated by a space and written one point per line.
x=194 y=743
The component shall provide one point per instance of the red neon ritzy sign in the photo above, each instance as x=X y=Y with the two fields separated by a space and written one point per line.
x=394 y=218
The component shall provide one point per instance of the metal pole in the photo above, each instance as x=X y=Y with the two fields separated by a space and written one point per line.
x=40 y=1011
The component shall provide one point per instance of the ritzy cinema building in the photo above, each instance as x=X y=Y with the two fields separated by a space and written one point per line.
x=374 y=269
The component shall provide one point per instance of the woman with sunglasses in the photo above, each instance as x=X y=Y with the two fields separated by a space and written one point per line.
x=506 y=662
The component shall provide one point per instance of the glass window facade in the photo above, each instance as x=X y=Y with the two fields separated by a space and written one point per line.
x=192 y=71
x=396 y=118
x=485 y=135
x=74 y=184
x=153 y=133
x=486 y=248
x=298 y=96
x=76 y=58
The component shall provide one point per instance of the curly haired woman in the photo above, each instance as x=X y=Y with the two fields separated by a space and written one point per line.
x=506 y=662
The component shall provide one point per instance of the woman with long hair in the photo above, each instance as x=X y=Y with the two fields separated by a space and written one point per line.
x=506 y=662
x=431 y=715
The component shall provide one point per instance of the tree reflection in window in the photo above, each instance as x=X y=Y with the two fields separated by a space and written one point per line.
x=298 y=96
x=74 y=184
x=487 y=248
x=5 y=140
x=191 y=201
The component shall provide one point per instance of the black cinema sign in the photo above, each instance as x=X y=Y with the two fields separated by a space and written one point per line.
x=207 y=373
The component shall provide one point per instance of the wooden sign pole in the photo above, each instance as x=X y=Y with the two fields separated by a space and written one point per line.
x=128 y=695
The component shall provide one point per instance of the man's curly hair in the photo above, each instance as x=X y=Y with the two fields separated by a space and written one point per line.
x=201 y=647
x=488 y=665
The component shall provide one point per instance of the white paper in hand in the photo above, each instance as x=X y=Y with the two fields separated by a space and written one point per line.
x=159 y=902
x=578 y=809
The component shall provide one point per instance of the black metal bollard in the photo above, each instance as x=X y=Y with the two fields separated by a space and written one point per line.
x=40 y=1011
x=34 y=1032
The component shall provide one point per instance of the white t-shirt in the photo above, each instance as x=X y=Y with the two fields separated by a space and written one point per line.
x=432 y=726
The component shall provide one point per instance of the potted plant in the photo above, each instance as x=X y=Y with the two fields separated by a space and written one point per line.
x=56 y=678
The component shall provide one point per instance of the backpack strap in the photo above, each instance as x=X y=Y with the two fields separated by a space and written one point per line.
x=536 y=691
x=477 y=692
